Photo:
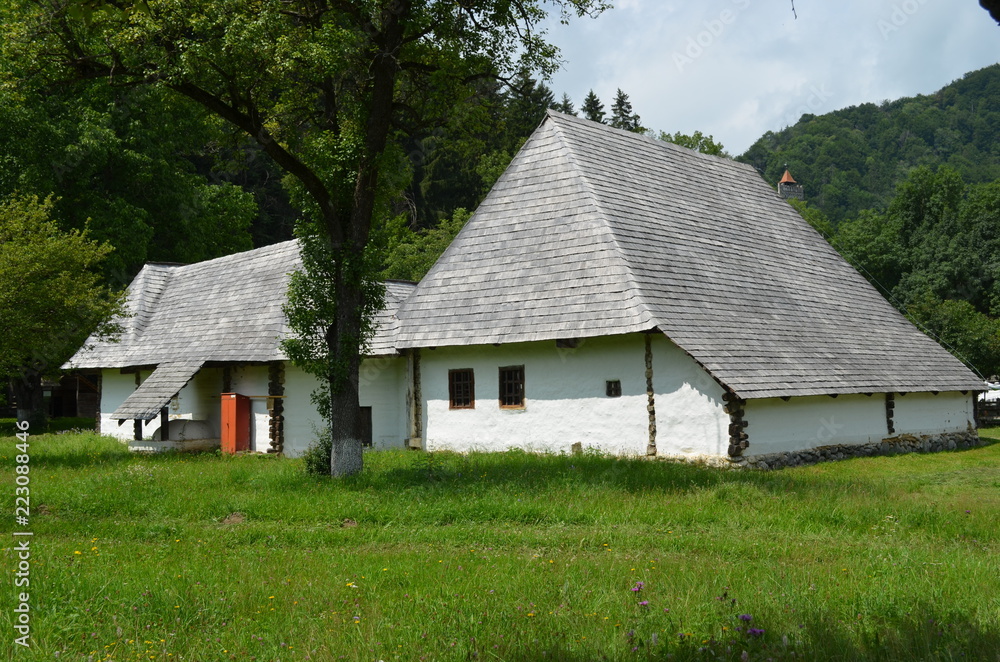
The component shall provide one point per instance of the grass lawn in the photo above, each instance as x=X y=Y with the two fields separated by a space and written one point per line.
x=502 y=557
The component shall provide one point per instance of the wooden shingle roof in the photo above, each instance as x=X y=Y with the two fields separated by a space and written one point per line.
x=225 y=310
x=595 y=231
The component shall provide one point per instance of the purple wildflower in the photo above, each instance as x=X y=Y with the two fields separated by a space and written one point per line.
x=644 y=603
x=746 y=618
x=755 y=632
x=638 y=587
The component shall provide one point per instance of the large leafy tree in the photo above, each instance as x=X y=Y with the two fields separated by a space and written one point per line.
x=933 y=250
x=123 y=162
x=326 y=88
x=51 y=297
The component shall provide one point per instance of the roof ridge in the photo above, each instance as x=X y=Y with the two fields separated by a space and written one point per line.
x=644 y=137
x=643 y=310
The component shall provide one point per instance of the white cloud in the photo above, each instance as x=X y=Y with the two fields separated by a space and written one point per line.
x=738 y=68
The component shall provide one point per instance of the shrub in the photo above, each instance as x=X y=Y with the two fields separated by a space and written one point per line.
x=316 y=459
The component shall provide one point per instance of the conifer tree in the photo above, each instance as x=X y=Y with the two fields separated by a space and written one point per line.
x=622 y=116
x=592 y=108
x=565 y=106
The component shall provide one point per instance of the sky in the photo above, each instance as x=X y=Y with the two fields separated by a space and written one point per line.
x=738 y=68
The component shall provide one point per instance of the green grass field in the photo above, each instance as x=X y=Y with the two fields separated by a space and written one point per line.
x=507 y=556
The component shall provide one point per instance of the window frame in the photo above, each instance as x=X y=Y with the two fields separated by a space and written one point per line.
x=518 y=382
x=452 y=389
x=613 y=388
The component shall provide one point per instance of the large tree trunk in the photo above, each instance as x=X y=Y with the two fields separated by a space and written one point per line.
x=345 y=408
x=30 y=399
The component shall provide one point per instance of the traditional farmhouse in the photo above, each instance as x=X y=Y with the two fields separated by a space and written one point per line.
x=201 y=330
x=612 y=291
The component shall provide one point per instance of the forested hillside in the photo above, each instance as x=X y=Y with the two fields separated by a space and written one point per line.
x=852 y=159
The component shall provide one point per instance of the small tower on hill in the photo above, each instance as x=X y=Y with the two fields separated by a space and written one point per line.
x=789 y=188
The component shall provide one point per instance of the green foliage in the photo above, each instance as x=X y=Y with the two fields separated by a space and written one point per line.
x=51 y=296
x=934 y=251
x=871 y=559
x=123 y=163
x=316 y=459
x=973 y=336
x=412 y=254
x=592 y=108
x=565 y=105
x=8 y=426
x=852 y=159
x=697 y=141
x=622 y=115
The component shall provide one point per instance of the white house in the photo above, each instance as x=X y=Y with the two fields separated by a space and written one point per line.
x=612 y=291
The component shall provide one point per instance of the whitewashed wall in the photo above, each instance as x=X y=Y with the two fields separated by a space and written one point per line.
x=115 y=387
x=565 y=397
x=689 y=408
x=566 y=400
x=382 y=387
x=809 y=422
x=926 y=413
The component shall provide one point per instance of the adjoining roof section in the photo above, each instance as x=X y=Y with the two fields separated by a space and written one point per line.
x=593 y=230
x=227 y=310
x=153 y=394
x=536 y=261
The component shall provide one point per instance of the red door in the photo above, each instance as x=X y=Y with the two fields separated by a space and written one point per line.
x=235 y=423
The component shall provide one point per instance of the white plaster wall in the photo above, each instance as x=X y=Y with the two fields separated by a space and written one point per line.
x=565 y=397
x=689 y=408
x=251 y=381
x=809 y=422
x=926 y=413
x=198 y=401
x=382 y=386
x=115 y=388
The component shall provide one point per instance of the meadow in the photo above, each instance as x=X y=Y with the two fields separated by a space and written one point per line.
x=508 y=556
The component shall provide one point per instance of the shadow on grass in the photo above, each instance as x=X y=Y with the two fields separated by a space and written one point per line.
x=921 y=634
x=520 y=471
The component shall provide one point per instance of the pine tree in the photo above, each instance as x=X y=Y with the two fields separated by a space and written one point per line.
x=565 y=106
x=622 y=116
x=592 y=108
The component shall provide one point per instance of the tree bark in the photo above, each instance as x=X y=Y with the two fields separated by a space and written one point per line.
x=30 y=399
x=346 y=455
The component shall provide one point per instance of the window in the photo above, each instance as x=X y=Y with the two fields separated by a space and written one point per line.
x=512 y=387
x=366 y=427
x=614 y=388
x=461 y=389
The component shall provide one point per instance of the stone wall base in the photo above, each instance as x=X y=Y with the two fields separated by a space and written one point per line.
x=904 y=443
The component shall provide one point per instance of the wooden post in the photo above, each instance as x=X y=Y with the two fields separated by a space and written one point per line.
x=415 y=401
x=164 y=424
x=650 y=397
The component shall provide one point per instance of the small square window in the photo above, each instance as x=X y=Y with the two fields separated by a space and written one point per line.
x=461 y=389
x=614 y=388
x=512 y=387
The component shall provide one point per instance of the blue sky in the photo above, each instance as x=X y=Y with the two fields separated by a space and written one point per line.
x=738 y=68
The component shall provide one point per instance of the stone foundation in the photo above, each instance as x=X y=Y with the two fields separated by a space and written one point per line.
x=904 y=443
